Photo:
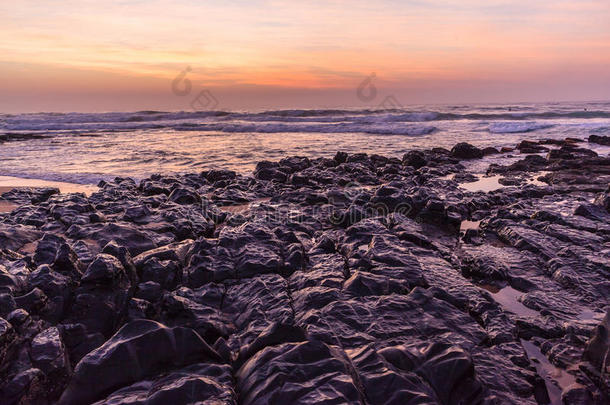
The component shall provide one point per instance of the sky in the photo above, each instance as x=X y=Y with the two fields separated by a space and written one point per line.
x=124 y=55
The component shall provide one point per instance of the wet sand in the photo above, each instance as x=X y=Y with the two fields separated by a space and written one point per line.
x=6 y=206
x=8 y=183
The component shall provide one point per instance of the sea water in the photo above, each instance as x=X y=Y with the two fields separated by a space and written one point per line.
x=87 y=147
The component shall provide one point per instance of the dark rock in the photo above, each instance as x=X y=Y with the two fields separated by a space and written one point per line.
x=363 y=284
x=577 y=394
x=123 y=234
x=357 y=158
x=383 y=383
x=7 y=304
x=174 y=251
x=149 y=291
x=312 y=364
x=464 y=177
x=14 y=237
x=7 y=343
x=245 y=302
x=136 y=214
x=18 y=317
x=140 y=309
x=531 y=147
x=10 y=282
x=123 y=255
x=43 y=194
x=271 y=174
x=466 y=151
x=24 y=195
x=265 y=164
x=325 y=244
x=55 y=286
x=340 y=157
x=50 y=282
x=166 y=273
x=33 y=301
x=48 y=352
x=105 y=269
x=27 y=387
x=420 y=315
x=449 y=371
x=598 y=346
x=603 y=200
x=347 y=280
x=151 y=187
x=599 y=139
x=592 y=211
x=490 y=151
x=203 y=382
x=294 y=164
x=79 y=341
x=184 y=196
x=198 y=309
x=142 y=348
x=414 y=159
x=275 y=334
x=531 y=163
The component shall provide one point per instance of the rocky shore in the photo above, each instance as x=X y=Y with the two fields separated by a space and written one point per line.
x=358 y=279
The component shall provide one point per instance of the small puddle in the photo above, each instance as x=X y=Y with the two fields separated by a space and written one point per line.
x=28 y=248
x=466 y=225
x=484 y=184
x=6 y=206
x=590 y=315
x=508 y=297
x=555 y=379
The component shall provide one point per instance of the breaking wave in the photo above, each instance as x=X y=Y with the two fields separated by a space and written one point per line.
x=516 y=127
x=86 y=147
x=141 y=120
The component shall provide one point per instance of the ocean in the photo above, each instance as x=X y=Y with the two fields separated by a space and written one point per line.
x=87 y=147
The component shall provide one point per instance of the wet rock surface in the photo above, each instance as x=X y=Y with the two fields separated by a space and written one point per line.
x=357 y=279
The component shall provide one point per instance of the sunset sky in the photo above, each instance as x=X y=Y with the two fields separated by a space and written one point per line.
x=123 y=55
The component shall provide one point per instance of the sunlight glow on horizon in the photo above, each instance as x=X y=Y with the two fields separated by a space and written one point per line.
x=124 y=46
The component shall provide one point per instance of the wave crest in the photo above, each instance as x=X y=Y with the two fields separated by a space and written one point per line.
x=516 y=127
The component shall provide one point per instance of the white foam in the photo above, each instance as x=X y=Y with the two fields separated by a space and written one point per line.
x=517 y=127
x=136 y=144
x=380 y=129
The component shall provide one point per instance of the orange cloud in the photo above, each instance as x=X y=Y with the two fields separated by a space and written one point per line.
x=318 y=45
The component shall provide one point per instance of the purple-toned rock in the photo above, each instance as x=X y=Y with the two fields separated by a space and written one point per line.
x=354 y=279
x=141 y=348
x=466 y=151
x=600 y=139
x=48 y=352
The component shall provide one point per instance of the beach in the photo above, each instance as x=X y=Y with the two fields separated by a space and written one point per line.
x=450 y=275
x=304 y=203
x=8 y=183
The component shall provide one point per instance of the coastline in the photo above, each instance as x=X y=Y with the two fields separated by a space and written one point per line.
x=7 y=183
x=357 y=260
x=10 y=183
x=137 y=144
